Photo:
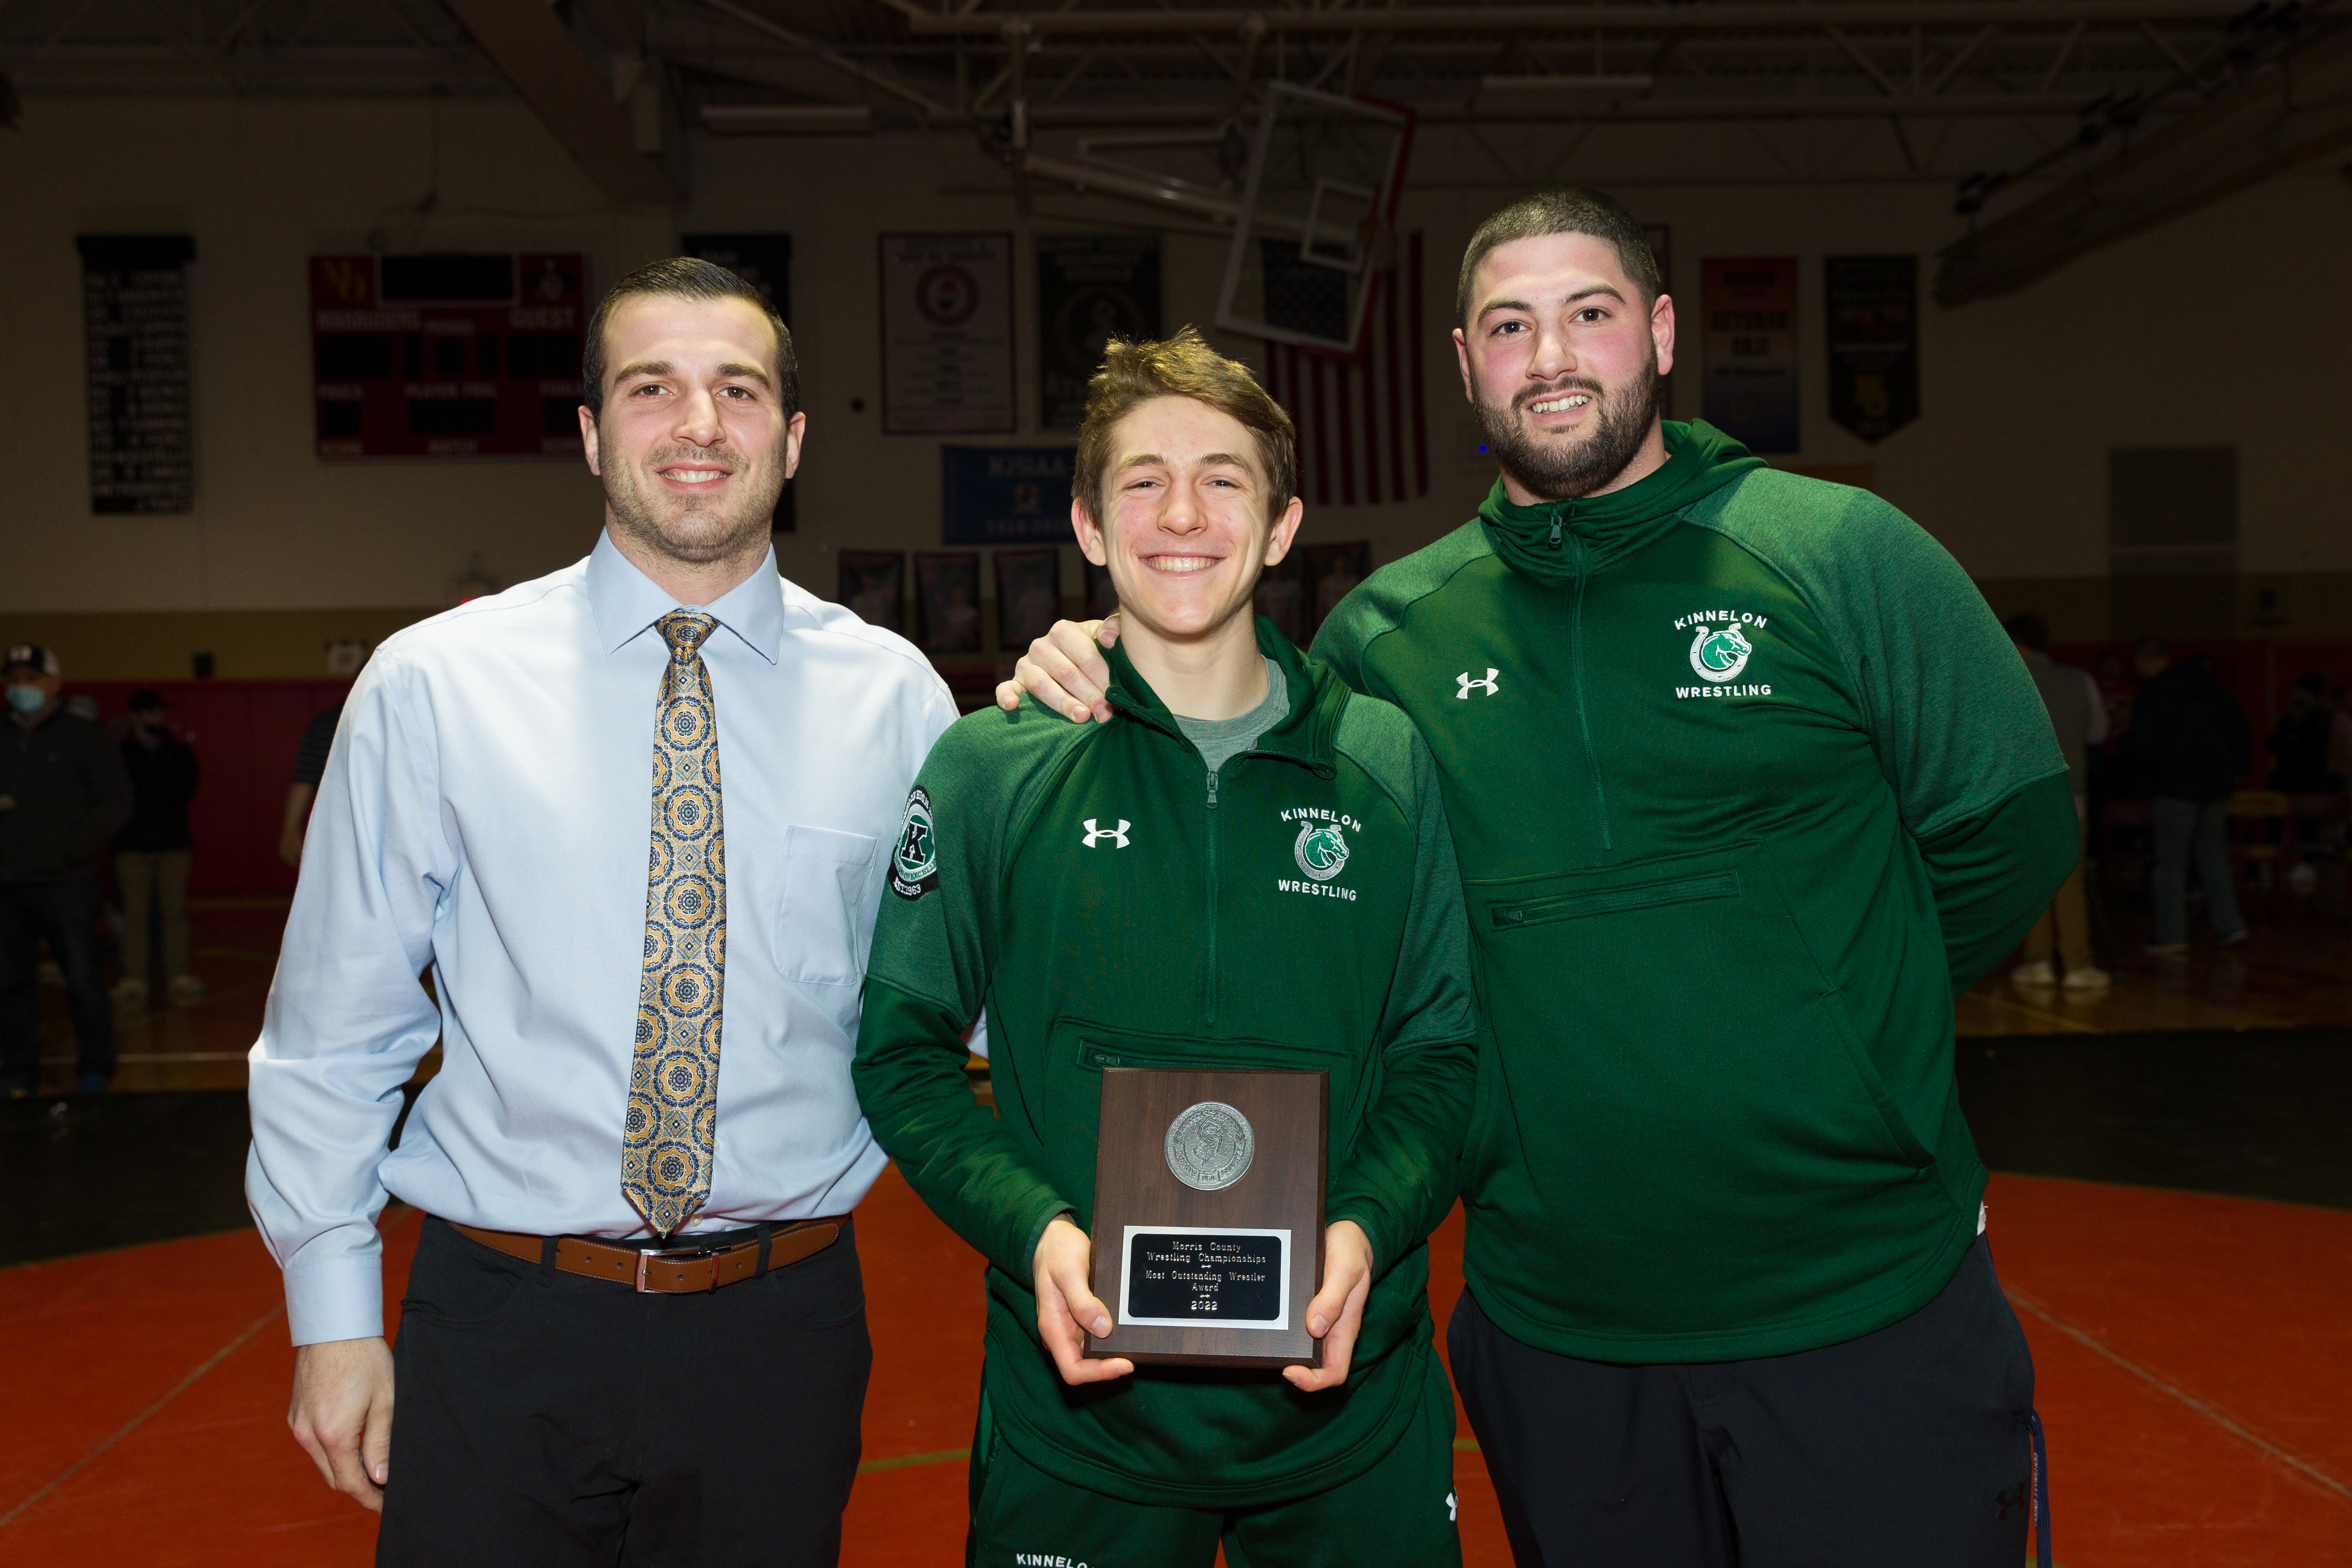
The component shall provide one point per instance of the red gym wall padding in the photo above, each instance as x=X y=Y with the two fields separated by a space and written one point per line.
x=245 y=733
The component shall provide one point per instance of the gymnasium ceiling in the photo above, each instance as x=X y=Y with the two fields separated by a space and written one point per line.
x=2121 y=112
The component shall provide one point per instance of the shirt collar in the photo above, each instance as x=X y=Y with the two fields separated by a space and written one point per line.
x=626 y=602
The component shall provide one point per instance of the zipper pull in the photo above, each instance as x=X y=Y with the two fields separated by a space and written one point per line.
x=1555 y=528
x=1212 y=791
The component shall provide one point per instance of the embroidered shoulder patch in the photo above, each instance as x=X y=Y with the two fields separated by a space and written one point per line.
x=914 y=863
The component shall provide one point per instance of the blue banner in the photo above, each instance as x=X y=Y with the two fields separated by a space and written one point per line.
x=1005 y=495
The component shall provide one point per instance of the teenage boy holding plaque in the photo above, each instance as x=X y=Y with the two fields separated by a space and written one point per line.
x=1247 y=867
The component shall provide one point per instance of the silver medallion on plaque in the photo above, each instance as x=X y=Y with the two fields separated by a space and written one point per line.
x=1210 y=1145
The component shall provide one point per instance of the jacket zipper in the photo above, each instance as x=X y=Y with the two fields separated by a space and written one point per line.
x=1616 y=900
x=1209 y=999
x=1583 y=720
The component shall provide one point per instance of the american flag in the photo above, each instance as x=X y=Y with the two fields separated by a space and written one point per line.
x=1363 y=437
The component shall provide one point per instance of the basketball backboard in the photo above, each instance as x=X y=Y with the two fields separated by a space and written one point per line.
x=1312 y=228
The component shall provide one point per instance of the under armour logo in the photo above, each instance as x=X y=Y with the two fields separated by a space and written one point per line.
x=1117 y=835
x=1468 y=684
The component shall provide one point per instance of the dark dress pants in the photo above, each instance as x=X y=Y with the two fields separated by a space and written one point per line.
x=539 y=1418
x=1904 y=1448
x=67 y=913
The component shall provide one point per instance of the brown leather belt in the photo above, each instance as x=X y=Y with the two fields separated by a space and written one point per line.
x=675 y=1272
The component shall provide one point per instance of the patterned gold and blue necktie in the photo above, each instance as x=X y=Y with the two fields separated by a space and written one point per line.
x=674 y=1078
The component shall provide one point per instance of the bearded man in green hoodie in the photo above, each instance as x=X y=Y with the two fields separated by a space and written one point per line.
x=1746 y=782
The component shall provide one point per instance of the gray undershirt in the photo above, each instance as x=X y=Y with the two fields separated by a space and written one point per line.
x=1222 y=740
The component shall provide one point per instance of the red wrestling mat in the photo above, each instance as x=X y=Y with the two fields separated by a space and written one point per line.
x=2195 y=1358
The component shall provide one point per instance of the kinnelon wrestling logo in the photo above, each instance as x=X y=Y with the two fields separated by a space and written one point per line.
x=1320 y=850
x=1722 y=642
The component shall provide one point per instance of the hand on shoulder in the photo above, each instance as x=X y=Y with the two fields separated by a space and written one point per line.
x=1064 y=670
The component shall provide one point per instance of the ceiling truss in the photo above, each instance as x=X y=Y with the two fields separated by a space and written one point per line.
x=2010 y=101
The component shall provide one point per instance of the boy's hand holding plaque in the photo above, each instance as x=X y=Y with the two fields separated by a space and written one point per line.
x=1208 y=1216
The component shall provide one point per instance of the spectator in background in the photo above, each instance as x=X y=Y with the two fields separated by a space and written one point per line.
x=2111 y=767
x=309 y=767
x=2191 y=738
x=2079 y=715
x=63 y=794
x=2299 y=741
x=151 y=858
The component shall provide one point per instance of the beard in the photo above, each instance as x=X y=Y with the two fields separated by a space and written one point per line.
x=690 y=528
x=1566 y=470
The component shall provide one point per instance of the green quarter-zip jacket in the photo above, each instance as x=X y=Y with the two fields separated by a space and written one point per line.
x=1746 y=781
x=1111 y=902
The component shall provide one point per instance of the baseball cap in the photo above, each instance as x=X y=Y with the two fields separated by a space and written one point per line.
x=34 y=654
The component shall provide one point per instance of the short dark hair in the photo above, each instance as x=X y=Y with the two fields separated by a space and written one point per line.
x=146 y=700
x=2313 y=681
x=2150 y=646
x=1183 y=365
x=2028 y=629
x=1564 y=209
x=686 y=278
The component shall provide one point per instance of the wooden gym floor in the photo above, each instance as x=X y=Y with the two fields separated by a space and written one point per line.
x=2172 y=1218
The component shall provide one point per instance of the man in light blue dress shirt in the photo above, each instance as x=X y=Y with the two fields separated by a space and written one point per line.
x=634 y=1329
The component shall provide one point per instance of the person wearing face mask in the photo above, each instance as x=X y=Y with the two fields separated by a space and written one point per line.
x=1746 y=781
x=63 y=794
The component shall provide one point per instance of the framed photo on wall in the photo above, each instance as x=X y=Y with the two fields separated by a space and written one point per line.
x=947 y=600
x=873 y=585
x=1028 y=596
x=1328 y=572
x=1278 y=590
x=1102 y=598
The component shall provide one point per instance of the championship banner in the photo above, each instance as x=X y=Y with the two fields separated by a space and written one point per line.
x=1362 y=433
x=765 y=262
x=1091 y=288
x=947 y=335
x=134 y=301
x=1874 y=328
x=1005 y=495
x=1749 y=349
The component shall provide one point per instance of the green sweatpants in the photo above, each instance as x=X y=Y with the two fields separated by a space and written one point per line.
x=1398 y=1512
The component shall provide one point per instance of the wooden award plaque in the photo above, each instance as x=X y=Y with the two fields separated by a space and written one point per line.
x=1208 y=1221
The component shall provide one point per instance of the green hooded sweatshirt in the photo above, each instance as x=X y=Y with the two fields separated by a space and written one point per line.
x=1112 y=902
x=1745 y=781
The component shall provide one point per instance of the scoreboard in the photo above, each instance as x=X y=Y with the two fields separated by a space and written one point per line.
x=448 y=356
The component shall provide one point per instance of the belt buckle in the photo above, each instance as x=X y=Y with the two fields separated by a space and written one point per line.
x=647 y=1255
